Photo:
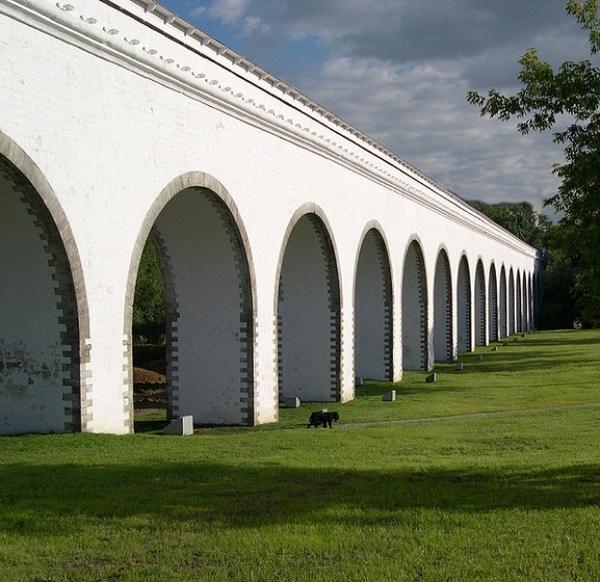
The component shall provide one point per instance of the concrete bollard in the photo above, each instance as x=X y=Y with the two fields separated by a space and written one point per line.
x=291 y=402
x=183 y=426
x=389 y=397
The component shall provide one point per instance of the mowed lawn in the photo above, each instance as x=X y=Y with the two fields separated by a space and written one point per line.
x=490 y=473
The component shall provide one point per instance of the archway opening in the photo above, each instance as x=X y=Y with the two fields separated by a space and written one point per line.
x=308 y=315
x=208 y=310
x=503 y=316
x=511 y=303
x=480 y=306
x=414 y=311
x=519 y=304
x=373 y=310
x=526 y=308
x=463 y=312
x=494 y=334
x=39 y=325
x=148 y=334
x=442 y=316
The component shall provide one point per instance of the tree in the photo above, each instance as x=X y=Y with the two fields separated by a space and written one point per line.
x=518 y=218
x=148 y=303
x=570 y=95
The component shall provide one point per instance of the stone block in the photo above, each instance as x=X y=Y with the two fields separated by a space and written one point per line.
x=479 y=358
x=292 y=402
x=389 y=397
x=183 y=426
x=358 y=381
x=495 y=349
x=459 y=366
x=431 y=378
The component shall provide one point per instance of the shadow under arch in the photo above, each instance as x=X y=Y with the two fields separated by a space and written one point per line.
x=511 y=302
x=373 y=307
x=44 y=322
x=493 y=329
x=442 y=309
x=210 y=288
x=415 y=350
x=503 y=305
x=308 y=309
x=480 y=305
x=518 y=302
x=463 y=306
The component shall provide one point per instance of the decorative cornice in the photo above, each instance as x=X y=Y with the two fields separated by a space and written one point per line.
x=155 y=41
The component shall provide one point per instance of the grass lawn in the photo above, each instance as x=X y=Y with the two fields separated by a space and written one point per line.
x=490 y=473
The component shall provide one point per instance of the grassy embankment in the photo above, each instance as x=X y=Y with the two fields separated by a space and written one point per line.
x=509 y=495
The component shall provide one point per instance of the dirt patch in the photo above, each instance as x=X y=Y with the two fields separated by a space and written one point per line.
x=149 y=387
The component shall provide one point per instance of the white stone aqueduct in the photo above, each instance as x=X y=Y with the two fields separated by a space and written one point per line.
x=296 y=252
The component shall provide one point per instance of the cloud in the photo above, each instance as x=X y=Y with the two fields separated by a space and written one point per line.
x=400 y=70
x=226 y=11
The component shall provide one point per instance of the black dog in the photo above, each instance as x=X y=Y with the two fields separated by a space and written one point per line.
x=320 y=418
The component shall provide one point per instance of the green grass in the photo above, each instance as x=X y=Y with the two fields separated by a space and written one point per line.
x=512 y=494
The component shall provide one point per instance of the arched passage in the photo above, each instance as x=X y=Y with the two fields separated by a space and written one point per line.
x=40 y=379
x=519 y=303
x=511 y=303
x=503 y=315
x=442 y=309
x=463 y=306
x=208 y=302
x=414 y=310
x=493 y=332
x=532 y=303
x=308 y=314
x=526 y=309
x=480 y=306
x=373 y=310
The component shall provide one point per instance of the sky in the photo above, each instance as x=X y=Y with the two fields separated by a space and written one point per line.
x=400 y=70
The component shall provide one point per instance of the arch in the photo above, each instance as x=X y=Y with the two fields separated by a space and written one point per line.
x=532 y=303
x=373 y=302
x=209 y=285
x=414 y=310
x=518 y=303
x=463 y=307
x=511 y=302
x=442 y=309
x=309 y=310
x=44 y=324
x=493 y=331
x=503 y=314
x=526 y=310
x=480 y=306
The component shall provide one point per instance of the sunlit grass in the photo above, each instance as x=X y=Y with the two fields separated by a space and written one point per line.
x=512 y=495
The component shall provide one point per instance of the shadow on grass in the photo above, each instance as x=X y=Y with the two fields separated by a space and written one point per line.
x=41 y=497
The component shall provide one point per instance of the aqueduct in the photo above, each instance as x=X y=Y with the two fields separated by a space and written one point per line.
x=296 y=252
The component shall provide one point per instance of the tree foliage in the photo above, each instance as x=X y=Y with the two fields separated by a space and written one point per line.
x=149 y=304
x=570 y=97
x=518 y=218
